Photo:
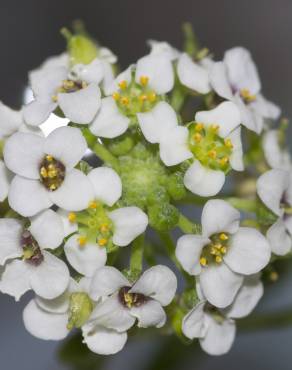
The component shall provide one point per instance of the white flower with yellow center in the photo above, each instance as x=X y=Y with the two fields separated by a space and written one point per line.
x=216 y=328
x=236 y=79
x=74 y=90
x=28 y=264
x=124 y=302
x=54 y=319
x=224 y=254
x=45 y=173
x=212 y=142
x=137 y=95
x=101 y=227
x=275 y=190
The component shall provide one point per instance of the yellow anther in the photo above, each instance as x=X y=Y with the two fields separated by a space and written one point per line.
x=144 y=80
x=213 y=251
x=203 y=261
x=84 y=84
x=218 y=259
x=102 y=242
x=223 y=161
x=52 y=173
x=152 y=97
x=124 y=100
x=44 y=172
x=55 y=98
x=123 y=85
x=68 y=84
x=214 y=128
x=228 y=143
x=274 y=276
x=116 y=96
x=53 y=187
x=217 y=246
x=49 y=158
x=143 y=98
x=199 y=127
x=247 y=96
x=198 y=137
x=212 y=154
x=82 y=241
x=223 y=236
x=92 y=205
x=223 y=250
x=72 y=217
x=104 y=228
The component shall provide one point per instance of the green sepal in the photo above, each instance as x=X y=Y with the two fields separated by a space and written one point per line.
x=163 y=217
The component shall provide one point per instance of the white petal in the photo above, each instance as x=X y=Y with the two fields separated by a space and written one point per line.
x=173 y=147
x=44 y=325
x=5 y=178
x=92 y=72
x=129 y=222
x=103 y=341
x=81 y=106
x=125 y=75
x=10 y=234
x=10 y=120
x=149 y=314
x=271 y=187
x=226 y=115
x=67 y=144
x=248 y=252
x=58 y=305
x=157 y=123
x=69 y=227
x=51 y=278
x=163 y=48
x=236 y=158
x=279 y=238
x=158 y=282
x=242 y=71
x=219 y=80
x=87 y=259
x=15 y=279
x=28 y=197
x=193 y=75
x=214 y=223
x=109 y=122
x=106 y=281
x=193 y=325
x=188 y=252
x=107 y=185
x=249 y=118
x=47 y=229
x=219 y=336
x=38 y=111
x=276 y=156
x=111 y=314
x=247 y=298
x=75 y=193
x=220 y=285
x=266 y=108
x=159 y=70
x=203 y=181
x=23 y=153
x=45 y=81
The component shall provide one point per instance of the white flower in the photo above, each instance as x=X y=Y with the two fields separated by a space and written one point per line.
x=216 y=328
x=236 y=79
x=125 y=302
x=275 y=190
x=38 y=269
x=53 y=319
x=100 y=227
x=275 y=155
x=45 y=173
x=194 y=75
x=136 y=98
x=75 y=91
x=213 y=142
x=5 y=178
x=223 y=254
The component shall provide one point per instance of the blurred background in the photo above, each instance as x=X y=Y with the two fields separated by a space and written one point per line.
x=29 y=33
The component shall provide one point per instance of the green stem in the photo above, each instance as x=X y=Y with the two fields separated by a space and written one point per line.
x=136 y=261
x=178 y=98
x=105 y=155
x=188 y=226
x=246 y=205
x=267 y=321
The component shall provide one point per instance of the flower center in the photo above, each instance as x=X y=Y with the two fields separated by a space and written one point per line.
x=130 y=300
x=69 y=86
x=247 y=96
x=52 y=173
x=133 y=97
x=209 y=148
x=94 y=225
x=215 y=250
x=32 y=253
x=80 y=309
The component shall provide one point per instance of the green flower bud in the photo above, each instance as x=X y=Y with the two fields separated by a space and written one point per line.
x=80 y=308
x=175 y=186
x=120 y=145
x=158 y=195
x=163 y=217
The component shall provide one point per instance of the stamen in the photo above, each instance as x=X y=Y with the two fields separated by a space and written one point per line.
x=203 y=261
x=152 y=97
x=228 y=143
x=223 y=236
x=104 y=228
x=102 y=242
x=116 y=96
x=197 y=137
x=82 y=241
x=124 y=100
x=72 y=217
x=52 y=173
x=247 y=96
x=92 y=205
x=212 y=154
x=123 y=85
x=144 y=80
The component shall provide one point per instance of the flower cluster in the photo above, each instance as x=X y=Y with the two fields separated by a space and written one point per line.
x=135 y=148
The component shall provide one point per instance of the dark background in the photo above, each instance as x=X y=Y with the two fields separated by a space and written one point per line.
x=29 y=33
